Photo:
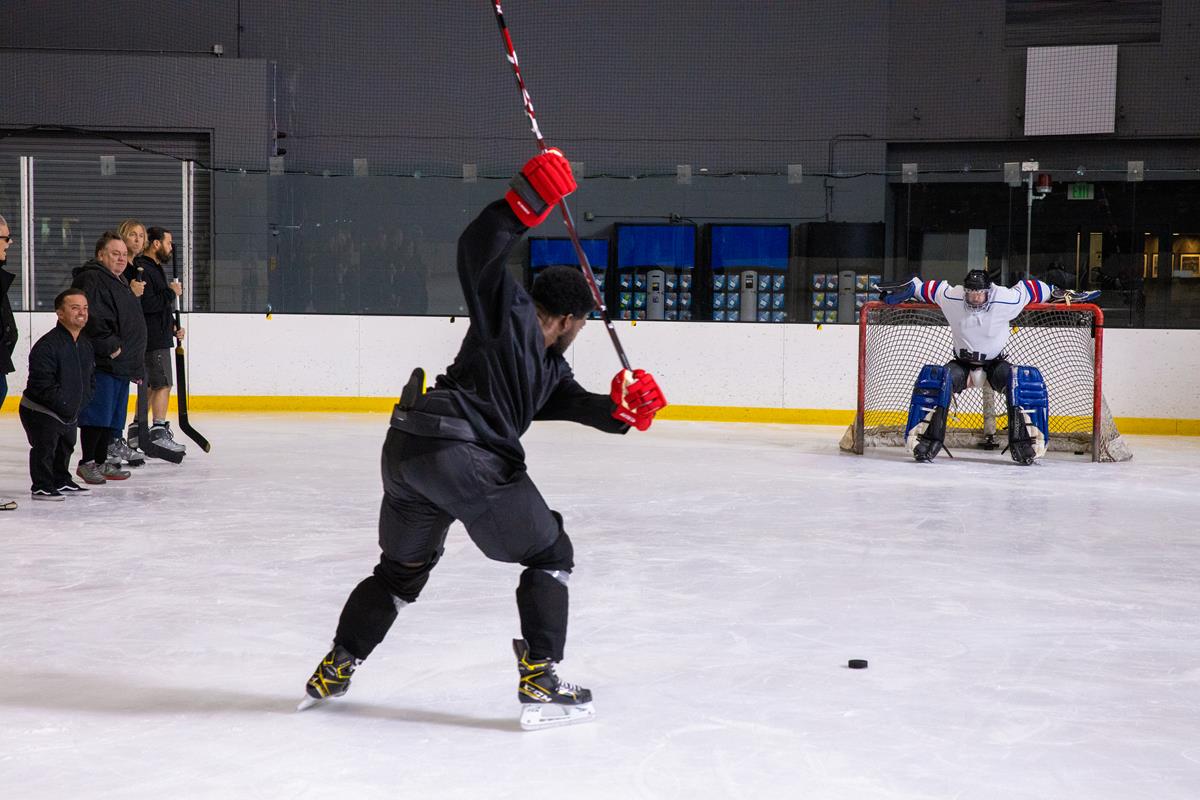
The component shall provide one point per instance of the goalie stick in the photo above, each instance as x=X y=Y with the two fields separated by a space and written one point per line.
x=566 y=212
x=181 y=394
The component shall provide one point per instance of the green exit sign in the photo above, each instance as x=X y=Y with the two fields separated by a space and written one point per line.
x=1081 y=191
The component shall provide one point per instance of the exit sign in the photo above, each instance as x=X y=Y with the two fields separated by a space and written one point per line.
x=1081 y=191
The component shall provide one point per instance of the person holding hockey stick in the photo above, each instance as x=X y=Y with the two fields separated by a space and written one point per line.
x=979 y=315
x=454 y=453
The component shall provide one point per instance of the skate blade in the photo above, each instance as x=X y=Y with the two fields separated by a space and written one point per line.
x=309 y=702
x=540 y=716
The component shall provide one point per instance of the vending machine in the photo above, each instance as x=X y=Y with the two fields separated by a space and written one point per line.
x=655 y=265
x=750 y=266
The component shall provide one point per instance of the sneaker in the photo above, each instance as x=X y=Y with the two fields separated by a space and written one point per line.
x=71 y=487
x=113 y=472
x=46 y=494
x=119 y=450
x=8 y=504
x=90 y=473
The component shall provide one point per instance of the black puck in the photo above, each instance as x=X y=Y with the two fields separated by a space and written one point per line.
x=857 y=663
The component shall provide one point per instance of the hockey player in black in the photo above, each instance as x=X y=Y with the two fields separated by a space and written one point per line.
x=454 y=453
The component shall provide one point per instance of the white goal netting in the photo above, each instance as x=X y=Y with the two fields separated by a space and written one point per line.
x=1065 y=342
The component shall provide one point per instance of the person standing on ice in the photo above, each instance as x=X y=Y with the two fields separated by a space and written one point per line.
x=454 y=453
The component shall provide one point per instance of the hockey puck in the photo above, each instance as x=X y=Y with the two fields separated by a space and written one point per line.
x=857 y=663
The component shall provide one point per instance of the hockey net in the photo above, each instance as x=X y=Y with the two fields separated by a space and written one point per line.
x=1065 y=342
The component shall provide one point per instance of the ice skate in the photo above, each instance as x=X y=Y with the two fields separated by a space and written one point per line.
x=331 y=678
x=163 y=445
x=119 y=451
x=547 y=701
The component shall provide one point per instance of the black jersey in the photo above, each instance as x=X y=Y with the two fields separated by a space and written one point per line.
x=504 y=377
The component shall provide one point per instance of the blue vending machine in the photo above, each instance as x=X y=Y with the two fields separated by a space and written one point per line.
x=750 y=272
x=559 y=251
x=655 y=264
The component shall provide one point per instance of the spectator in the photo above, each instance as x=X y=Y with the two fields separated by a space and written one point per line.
x=117 y=331
x=133 y=233
x=60 y=384
x=158 y=302
x=8 y=331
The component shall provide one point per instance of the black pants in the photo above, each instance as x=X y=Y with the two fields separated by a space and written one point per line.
x=429 y=483
x=998 y=372
x=50 y=443
x=94 y=444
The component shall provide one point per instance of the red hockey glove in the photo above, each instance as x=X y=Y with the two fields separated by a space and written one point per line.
x=637 y=398
x=542 y=182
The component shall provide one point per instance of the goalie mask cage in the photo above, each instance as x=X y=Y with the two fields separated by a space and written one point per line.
x=1065 y=342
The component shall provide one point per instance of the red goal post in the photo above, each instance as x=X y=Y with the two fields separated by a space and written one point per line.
x=1065 y=342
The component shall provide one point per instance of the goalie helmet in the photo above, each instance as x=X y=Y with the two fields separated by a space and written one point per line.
x=976 y=288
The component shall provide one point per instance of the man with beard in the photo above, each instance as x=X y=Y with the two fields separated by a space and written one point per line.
x=454 y=453
x=158 y=306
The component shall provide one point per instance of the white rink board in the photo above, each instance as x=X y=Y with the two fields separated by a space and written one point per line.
x=1147 y=373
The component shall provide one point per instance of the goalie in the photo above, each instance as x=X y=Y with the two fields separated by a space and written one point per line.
x=979 y=314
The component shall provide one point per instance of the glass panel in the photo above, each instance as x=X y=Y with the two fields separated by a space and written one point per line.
x=10 y=209
x=77 y=199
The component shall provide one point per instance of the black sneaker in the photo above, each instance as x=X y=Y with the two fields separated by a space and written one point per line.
x=71 y=487
x=46 y=494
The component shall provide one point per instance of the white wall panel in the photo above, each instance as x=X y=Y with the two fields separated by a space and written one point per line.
x=1147 y=373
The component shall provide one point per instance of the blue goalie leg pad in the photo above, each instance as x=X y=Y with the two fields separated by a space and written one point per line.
x=926 y=428
x=1027 y=391
x=932 y=389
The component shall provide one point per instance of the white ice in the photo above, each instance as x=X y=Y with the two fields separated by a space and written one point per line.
x=1031 y=632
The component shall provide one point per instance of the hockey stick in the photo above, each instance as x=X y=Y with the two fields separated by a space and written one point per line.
x=566 y=212
x=180 y=375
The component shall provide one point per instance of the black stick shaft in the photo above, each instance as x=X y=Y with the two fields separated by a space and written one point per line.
x=568 y=220
x=181 y=390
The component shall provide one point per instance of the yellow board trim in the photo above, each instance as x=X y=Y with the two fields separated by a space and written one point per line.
x=1147 y=426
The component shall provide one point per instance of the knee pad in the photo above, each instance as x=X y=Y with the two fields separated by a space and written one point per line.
x=558 y=557
x=404 y=582
x=931 y=392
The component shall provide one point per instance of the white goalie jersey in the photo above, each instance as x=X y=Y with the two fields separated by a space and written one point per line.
x=980 y=334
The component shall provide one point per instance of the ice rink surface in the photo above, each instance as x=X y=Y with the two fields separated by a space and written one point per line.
x=1031 y=632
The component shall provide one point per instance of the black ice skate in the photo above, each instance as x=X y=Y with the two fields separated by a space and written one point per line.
x=331 y=678
x=546 y=701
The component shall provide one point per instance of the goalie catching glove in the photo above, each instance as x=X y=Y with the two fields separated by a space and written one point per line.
x=539 y=186
x=895 y=292
x=637 y=398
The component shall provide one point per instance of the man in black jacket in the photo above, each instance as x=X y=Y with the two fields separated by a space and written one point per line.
x=60 y=385
x=8 y=330
x=455 y=452
x=117 y=331
x=158 y=304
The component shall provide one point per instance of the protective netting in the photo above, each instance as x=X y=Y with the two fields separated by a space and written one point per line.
x=1064 y=342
